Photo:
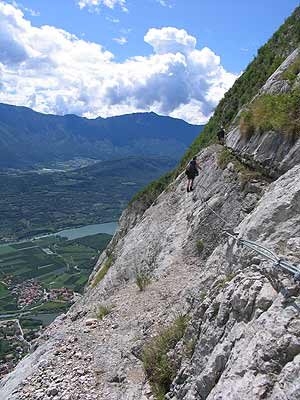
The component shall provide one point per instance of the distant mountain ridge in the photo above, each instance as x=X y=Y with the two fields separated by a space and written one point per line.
x=28 y=137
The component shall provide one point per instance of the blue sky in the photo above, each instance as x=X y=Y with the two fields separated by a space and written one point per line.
x=190 y=52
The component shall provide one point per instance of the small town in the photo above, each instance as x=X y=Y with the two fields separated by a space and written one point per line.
x=15 y=340
x=28 y=293
x=32 y=291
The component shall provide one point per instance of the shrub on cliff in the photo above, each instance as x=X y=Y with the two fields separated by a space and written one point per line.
x=102 y=272
x=268 y=112
x=292 y=71
x=200 y=246
x=159 y=367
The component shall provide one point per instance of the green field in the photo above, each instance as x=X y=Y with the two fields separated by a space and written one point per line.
x=54 y=261
x=6 y=250
x=3 y=290
x=51 y=306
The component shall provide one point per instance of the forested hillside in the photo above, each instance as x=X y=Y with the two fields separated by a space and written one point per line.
x=28 y=137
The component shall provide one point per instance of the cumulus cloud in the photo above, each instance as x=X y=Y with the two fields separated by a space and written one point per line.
x=53 y=71
x=170 y=40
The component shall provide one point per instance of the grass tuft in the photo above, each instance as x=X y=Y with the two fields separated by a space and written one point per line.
x=200 y=246
x=225 y=157
x=102 y=272
x=202 y=295
x=142 y=279
x=160 y=369
x=221 y=283
x=245 y=173
x=103 y=311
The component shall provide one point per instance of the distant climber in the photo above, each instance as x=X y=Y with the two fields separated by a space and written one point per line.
x=191 y=172
x=221 y=135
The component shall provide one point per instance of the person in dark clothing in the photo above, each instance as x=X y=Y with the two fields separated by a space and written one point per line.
x=191 y=173
x=221 y=135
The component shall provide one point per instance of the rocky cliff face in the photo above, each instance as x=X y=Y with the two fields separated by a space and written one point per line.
x=241 y=338
x=269 y=150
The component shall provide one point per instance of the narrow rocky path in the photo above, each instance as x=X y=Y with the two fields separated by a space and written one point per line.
x=98 y=359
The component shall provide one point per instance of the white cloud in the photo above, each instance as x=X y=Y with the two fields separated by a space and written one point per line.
x=170 y=40
x=121 y=40
x=30 y=11
x=95 y=4
x=164 y=3
x=53 y=71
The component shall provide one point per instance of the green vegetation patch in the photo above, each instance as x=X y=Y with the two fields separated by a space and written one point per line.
x=8 y=303
x=28 y=323
x=103 y=311
x=97 y=242
x=225 y=157
x=160 y=369
x=51 y=306
x=292 y=71
x=203 y=295
x=221 y=283
x=102 y=272
x=142 y=280
x=153 y=190
x=245 y=173
x=200 y=245
x=6 y=250
x=3 y=290
x=280 y=113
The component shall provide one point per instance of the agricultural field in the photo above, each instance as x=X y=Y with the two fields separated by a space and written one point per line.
x=53 y=262
x=38 y=279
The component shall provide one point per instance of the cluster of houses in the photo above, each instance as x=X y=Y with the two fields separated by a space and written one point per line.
x=63 y=294
x=32 y=291
x=13 y=345
x=28 y=292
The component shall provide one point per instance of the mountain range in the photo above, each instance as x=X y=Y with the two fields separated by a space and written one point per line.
x=28 y=137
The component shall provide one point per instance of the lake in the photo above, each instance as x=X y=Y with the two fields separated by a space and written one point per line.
x=76 y=233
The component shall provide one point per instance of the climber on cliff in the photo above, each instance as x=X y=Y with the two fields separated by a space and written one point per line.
x=221 y=135
x=191 y=172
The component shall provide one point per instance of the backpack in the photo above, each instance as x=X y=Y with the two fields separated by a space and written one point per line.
x=191 y=168
x=188 y=169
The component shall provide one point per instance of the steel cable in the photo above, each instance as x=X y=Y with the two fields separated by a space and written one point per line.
x=268 y=254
